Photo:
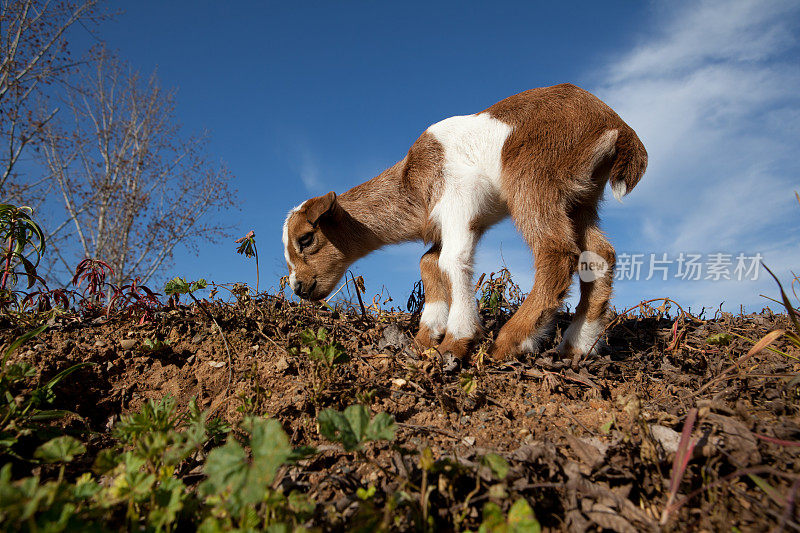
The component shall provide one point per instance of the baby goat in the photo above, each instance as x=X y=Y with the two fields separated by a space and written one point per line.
x=542 y=156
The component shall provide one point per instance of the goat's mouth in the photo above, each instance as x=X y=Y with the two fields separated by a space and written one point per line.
x=305 y=290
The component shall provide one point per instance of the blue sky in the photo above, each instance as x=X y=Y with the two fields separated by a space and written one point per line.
x=303 y=98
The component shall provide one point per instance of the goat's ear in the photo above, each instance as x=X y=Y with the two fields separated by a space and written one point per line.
x=316 y=207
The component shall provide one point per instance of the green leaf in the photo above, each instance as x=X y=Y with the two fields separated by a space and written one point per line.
x=176 y=285
x=168 y=499
x=230 y=472
x=225 y=468
x=365 y=494
x=335 y=427
x=468 y=383
x=497 y=464
x=59 y=449
x=382 y=427
x=521 y=518
x=721 y=339
x=19 y=342
x=606 y=428
x=492 y=518
x=198 y=285
x=302 y=505
x=353 y=427
x=357 y=417
x=270 y=446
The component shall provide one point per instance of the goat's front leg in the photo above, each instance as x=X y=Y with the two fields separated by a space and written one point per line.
x=433 y=322
x=455 y=262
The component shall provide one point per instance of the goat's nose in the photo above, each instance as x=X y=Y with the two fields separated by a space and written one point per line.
x=298 y=288
x=303 y=290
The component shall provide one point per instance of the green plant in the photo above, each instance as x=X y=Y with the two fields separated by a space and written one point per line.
x=32 y=505
x=153 y=445
x=238 y=486
x=317 y=347
x=247 y=247
x=20 y=236
x=324 y=355
x=21 y=414
x=22 y=243
x=154 y=346
x=353 y=427
x=520 y=519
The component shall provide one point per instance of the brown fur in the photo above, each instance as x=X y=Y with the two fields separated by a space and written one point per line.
x=564 y=147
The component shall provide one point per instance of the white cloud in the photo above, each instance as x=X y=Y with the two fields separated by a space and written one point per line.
x=309 y=172
x=714 y=94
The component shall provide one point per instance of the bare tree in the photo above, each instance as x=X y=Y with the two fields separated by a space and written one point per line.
x=129 y=185
x=33 y=55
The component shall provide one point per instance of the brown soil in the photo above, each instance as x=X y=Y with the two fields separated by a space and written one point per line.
x=590 y=443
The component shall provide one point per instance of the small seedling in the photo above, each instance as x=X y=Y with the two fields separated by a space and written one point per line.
x=154 y=345
x=325 y=357
x=319 y=349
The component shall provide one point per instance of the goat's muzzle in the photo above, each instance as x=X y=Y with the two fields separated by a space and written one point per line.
x=304 y=290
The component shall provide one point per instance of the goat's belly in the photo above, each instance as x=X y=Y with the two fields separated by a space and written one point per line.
x=469 y=201
x=471 y=171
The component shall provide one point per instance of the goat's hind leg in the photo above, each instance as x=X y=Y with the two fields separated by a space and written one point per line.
x=433 y=321
x=592 y=313
x=556 y=255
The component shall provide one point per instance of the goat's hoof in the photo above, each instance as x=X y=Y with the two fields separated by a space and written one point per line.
x=500 y=351
x=458 y=347
x=425 y=338
x=568 y=350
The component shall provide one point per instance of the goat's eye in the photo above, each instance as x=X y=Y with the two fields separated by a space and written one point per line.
x=305 y=240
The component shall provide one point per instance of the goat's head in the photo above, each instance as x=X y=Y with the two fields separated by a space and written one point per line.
x=313 y=247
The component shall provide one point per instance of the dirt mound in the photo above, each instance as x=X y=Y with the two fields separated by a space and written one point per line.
x=589 y=444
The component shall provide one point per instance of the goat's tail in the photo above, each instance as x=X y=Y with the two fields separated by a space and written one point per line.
x=630 y=162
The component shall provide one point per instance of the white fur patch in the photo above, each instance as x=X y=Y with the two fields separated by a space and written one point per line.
x=286 y=242
x=533 y=344
x=581 y=335
x=620 y=189
x=472 y=168
x=434 y=315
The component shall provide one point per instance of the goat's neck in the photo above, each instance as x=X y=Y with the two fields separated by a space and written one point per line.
x=381 y=211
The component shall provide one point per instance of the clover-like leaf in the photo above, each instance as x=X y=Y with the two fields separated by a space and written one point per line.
x=59 y=449
x=353 y=427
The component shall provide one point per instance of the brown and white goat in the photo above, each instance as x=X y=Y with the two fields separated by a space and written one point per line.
x=542 y=156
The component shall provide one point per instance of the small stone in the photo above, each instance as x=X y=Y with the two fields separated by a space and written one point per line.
x=282 y=364
x=216 y=364
x=469 y=441
x=127 y=344
x=399 y=383
x=99 y=343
